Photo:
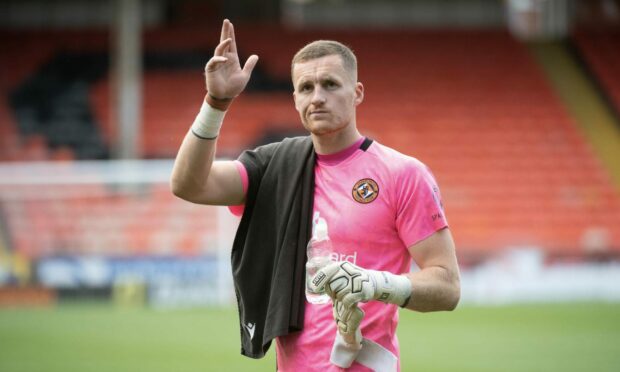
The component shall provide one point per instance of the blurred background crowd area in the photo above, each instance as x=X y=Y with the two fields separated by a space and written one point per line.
x=514 y=105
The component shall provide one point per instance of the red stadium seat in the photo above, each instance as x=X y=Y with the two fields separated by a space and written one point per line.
x=473 y=105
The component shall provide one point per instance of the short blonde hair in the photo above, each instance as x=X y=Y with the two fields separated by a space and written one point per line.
x=323 y=48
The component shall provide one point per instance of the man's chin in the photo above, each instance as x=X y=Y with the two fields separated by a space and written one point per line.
x=322 y=128
x=323 y=131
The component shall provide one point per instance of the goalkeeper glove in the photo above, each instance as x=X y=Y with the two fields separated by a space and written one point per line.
x=348 y=342
x=351 y=284
x=348 y=320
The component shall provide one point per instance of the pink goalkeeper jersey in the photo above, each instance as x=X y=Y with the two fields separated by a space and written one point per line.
x=376 y=203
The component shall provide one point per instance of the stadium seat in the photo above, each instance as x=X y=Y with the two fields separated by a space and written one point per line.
x=601 y=51
x=472 y=104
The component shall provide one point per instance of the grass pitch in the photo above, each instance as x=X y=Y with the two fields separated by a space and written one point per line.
x=82 y=337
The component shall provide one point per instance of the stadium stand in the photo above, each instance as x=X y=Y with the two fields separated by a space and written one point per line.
x=24 y=57
x=473 y=105
x=601 y=50
x=17 y=63
x=106 y=222
x=577 y=90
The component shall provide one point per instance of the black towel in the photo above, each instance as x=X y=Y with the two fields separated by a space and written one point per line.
x=269 y=251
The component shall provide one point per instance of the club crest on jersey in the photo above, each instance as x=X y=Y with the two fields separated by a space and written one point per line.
x=365 y=191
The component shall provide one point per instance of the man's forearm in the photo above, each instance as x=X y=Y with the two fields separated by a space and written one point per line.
x=192 y=166
x=434 y=288
x=195 y=158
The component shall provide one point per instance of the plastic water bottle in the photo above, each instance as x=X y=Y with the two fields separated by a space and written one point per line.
x=319 y=253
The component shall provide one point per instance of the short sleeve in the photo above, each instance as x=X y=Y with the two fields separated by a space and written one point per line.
x=237 y=210
x=419 y=205
x=251 y=165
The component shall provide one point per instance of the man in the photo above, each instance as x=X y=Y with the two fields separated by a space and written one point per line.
x=383 y=210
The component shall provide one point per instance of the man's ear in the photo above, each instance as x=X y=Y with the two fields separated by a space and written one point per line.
x=359 y=93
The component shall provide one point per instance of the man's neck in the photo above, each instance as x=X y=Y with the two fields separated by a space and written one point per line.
x=332 y=143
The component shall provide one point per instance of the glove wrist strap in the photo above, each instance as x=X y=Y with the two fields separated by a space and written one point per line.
x=391 y=288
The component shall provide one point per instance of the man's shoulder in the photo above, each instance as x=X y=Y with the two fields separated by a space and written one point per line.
x=285 y=143
x=288 y=150
x=395 y=160
x=296 y=141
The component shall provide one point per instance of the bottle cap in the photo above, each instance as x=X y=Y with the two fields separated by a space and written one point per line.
x=320 y=230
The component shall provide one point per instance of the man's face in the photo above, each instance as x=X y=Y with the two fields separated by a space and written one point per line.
x=325 y=94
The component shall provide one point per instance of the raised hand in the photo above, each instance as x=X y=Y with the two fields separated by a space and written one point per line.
x=224 y=76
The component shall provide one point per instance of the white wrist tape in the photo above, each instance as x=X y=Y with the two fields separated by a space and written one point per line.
x=208 y=122
x=390 y=288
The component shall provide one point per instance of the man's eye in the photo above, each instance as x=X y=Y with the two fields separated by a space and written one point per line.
x=305 y=88
x=330 y=84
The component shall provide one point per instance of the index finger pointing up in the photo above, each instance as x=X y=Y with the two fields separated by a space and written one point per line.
x=225 y=27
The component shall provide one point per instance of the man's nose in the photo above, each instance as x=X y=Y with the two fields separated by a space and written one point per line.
x=318 y=96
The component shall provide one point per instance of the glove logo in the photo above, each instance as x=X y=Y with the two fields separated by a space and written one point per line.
x=365 y=191
x=318 y=279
